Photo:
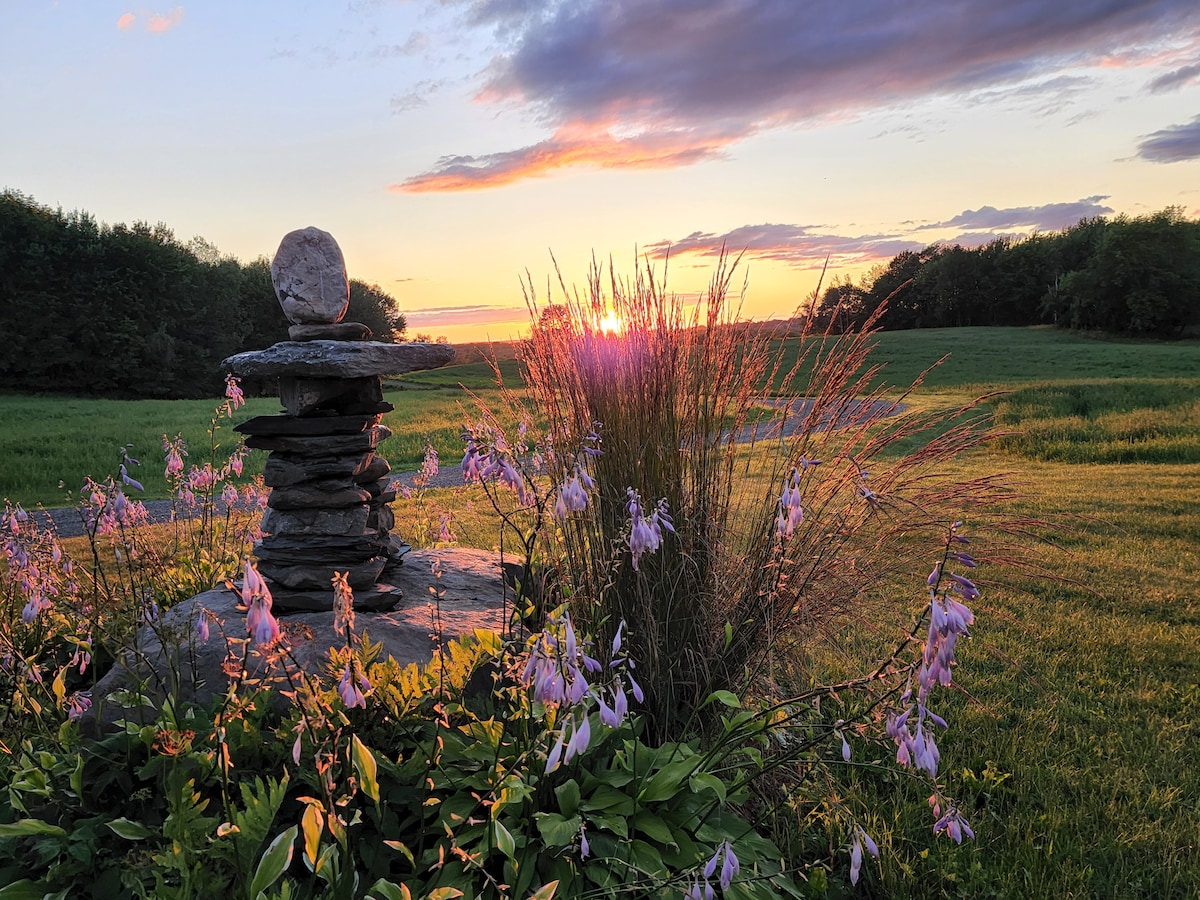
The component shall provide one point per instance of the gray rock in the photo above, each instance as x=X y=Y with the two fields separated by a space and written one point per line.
x=472 y=597
x=374 y=598
x=342 y=331
x=381 y=518
x=338 y=359
x=305 y=397
x=376 y=470
x=283 y=470
x=307 y=425
x=350 y=520
x=318 y=547
x=309 y=274
x=306 y=496
x=321 y=445
x=310 y=577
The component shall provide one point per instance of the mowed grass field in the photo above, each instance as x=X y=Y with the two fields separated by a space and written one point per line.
x=1074 y=744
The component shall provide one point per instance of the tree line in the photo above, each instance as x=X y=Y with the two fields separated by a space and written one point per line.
x=130 y=311
x=1136 y=276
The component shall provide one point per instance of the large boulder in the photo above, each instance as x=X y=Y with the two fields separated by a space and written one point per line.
x=468 y=595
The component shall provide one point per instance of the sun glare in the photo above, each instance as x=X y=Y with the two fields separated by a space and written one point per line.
x=611 y=323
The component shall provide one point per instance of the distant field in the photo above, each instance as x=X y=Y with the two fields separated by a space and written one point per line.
x=48 y=440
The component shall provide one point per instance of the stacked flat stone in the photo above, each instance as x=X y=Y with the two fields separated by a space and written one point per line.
x=328 y=509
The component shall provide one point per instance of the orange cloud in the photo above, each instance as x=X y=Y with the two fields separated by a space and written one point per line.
x=569 y=146
x=126 y=22
x=159 y=23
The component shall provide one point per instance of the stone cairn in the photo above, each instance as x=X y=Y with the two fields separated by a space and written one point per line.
x=328 y=508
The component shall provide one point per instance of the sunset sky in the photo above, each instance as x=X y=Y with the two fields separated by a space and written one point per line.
x=452 y=145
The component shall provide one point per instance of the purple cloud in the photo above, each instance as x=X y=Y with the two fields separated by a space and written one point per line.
x=1172 y=81
x=796 y=245
x=1049 y=217
x=1174 y=144
x=605 y=76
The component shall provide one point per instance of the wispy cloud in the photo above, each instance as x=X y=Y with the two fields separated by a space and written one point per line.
x=802 y=246
x=809 y=246
x=1174 y=144
x=1048 y=217
x=159 y=23
x=1175 y=79
x=155 y=23
x=567 y=147
x=609 y=77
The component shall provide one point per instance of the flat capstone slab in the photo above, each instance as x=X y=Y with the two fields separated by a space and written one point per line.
x=339 y=359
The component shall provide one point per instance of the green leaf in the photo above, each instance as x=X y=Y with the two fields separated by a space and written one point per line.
x=725 y=698
x=402 y=848
x=545 y=892
x=568 y=797
x=444 y=893
x=388 y=890
x=647 y=858
x=703 y=781
x=504 y=840
x=556 y=830
x=23 y=890
x=364 y=764
x=130 y=830
x=23 y=827
x=608 y=799
x=616 y=824
x=653 y=827
x=312 y=823
x=668 y=780
x=275 y=861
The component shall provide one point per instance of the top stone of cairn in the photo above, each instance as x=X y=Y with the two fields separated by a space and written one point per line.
x=309 y=274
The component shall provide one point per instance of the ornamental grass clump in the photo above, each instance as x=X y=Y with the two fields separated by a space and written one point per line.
x=749 y=498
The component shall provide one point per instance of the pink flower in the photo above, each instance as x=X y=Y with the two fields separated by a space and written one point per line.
x=343 y=604
x=350 y=688
x=257 y=598
x=80 y=703
x=572 y=497
x=429 y=465
x=233 y=393
x=470 y=462
x=175 y=454
x=954 y=825
x=856 y=851
x=791 y=514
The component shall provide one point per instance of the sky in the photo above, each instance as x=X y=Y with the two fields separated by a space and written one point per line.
x=457 y=149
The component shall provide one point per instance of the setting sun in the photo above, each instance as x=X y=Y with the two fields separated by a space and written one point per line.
x=611 y=323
